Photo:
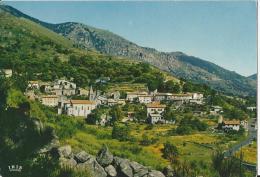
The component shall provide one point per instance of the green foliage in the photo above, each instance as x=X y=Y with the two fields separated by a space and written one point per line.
x=121 y=132
x=184 y=130
x=202 y=88
x=188 y=124
x=170 y=87
x=169 y=114
x=146 y=141
x=170 y=152
x=227 y=167
x=15 y=98
x=4 y=87
x=95 y=116
x=234 y=113
x=116 y=113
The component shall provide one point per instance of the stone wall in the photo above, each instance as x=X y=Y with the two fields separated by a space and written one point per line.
x=104 y=164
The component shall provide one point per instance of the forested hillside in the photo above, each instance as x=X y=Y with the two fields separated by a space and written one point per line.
x=177 y=63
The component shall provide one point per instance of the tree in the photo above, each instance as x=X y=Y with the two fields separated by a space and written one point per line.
x=184 y=130
x=170 y=152
x=227 y=166
x=120 y=132
x=4 y=86
x=169 y=114
x=94 y=117
x=171 y=86
x=116 y=113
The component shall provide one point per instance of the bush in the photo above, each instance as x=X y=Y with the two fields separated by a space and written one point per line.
x=120 y=132
x=146 y=141
x=170 y=152
x=184 y=130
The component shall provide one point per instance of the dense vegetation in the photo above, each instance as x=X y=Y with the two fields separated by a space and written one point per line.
x=24 y=131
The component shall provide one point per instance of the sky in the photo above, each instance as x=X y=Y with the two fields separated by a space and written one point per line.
x=220 y=32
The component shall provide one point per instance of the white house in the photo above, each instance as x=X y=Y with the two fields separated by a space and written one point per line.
x=80 y=108
x=131 y=96
x=145 y=99
x=155 y=118
x=231 y=125
x=50 y=100
x=183 y=97
x=155 y=111
x=162 y=96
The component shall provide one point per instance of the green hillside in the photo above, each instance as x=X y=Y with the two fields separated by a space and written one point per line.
x=28 y=48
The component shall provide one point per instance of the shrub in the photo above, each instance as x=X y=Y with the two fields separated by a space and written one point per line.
x=170 y=152
x=120 y=132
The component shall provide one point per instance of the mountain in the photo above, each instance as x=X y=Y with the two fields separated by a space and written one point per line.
x=37 y=53
x=176 y=63
x=253 y=77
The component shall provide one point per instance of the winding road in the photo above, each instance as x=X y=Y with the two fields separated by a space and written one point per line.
x=252 y=134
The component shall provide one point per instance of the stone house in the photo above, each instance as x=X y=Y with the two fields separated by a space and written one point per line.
x=162 y=96
x=145 y=99
x=63 y=87
x=50 y=100
x=185 y=97
x=131 y=96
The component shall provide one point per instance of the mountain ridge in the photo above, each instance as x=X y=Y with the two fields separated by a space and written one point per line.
x=177 y=63
x=253 y=76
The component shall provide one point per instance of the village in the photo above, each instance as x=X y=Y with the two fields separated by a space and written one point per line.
x=67 y=98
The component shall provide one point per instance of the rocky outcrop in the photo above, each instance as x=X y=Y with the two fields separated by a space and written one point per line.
x=104 y=157
x=103 y=165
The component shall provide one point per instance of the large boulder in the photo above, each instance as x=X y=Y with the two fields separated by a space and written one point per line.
x=138 y=169
x=141 y=172
x=82 y=157
x=92 y=165
x=155 y=173
x=123 y=167
x=104 y=156
x=111 y=171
